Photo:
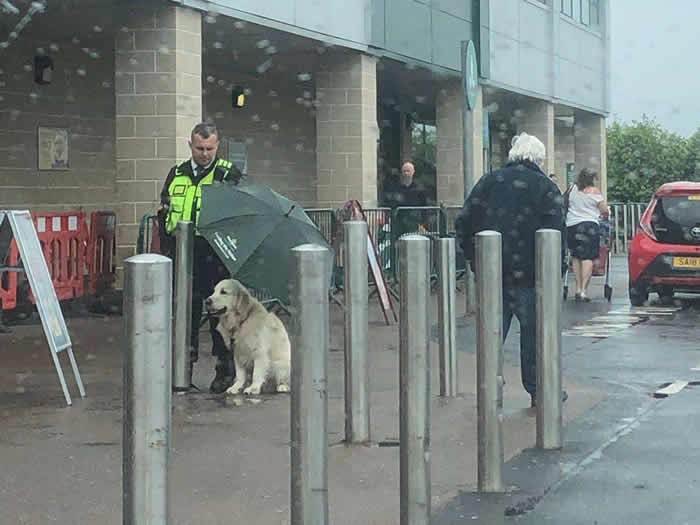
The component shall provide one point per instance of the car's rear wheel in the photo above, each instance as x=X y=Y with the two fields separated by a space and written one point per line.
x=638 y=294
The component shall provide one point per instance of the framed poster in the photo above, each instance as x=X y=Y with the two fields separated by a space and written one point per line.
x=54 y=149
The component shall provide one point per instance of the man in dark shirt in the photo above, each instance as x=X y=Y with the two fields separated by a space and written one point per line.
x=516 y=201
x=405 y=191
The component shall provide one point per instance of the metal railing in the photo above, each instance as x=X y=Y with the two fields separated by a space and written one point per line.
x=624 y=220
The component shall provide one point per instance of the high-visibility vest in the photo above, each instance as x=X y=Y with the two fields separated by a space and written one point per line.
x=186 y=196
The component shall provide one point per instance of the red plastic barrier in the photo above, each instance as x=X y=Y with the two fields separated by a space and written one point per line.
x=63 y=237
x=102 y=251
x=8 y=281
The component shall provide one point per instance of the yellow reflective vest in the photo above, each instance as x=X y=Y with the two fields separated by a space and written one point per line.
x=185 y=194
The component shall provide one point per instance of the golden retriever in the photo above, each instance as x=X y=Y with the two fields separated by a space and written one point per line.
x=259 y=338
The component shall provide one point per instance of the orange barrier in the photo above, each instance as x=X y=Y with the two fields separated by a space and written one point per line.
x=101 y=251
x=8 y=281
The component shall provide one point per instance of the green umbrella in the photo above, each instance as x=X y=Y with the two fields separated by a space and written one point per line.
x=253 y=229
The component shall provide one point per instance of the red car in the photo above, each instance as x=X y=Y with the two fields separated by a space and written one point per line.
x=664 y=256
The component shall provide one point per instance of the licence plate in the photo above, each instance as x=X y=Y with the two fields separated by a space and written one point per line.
x=686 y=262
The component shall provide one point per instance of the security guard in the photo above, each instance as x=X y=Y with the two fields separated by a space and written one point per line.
x=181 y=199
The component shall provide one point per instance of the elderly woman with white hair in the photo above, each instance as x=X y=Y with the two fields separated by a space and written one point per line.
x=516 y=201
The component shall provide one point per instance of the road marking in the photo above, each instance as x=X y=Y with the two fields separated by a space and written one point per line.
x=615 y=321
x=671 y=389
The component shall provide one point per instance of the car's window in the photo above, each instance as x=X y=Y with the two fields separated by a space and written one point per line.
x=674 y=219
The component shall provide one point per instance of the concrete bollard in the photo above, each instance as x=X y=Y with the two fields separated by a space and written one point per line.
x=414 y=380
x=447 y=318
x=357 y=426
x=309 y=397
x=549 y=297
x=147 y=392
x=489 y=358
x=182 y=367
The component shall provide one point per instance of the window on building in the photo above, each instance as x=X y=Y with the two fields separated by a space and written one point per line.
x=586 y=12
x=567 y=7
x=595 y=13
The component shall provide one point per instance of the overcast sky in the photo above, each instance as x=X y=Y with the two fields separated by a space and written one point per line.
x=655 y=48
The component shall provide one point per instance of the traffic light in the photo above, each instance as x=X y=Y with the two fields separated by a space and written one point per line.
x=237 y=97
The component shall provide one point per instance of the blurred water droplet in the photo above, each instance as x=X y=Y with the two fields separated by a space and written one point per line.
x=75 y=40
x=133 y=61
x=262 y=68
x=255 y=118
x=13 y=35
x=247 y=92
x=250 y=141
x=420 y=99
x=220 y=114
x=304 y=77
x=272 y=93
x=275 y=127
x=20 y=390
x=53 y=47
x=239 y=24
x=270 y=50
x=97 y=29
x=94 y=54
x=210 y=19
x=28 y=67
x=299 y=100
x=164 y=49
x=210 y=79
x=307 y=103
x=260 y=44
x=106 y=84
x=4 y=45
x=218 y=45
x=40 y=51
x=33 y=96
x=81 y=72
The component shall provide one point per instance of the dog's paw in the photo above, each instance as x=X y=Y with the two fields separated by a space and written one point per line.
x=235 y=389
x=252 y=390
x=282 y=388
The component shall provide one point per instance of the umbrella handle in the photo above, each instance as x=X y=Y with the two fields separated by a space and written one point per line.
x=290 y=210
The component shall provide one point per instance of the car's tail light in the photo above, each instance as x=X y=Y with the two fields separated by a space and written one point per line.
x=645 y=222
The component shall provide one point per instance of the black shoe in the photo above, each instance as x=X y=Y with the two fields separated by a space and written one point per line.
x=533 y=399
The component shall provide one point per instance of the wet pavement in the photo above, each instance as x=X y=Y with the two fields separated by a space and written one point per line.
x=230 y=456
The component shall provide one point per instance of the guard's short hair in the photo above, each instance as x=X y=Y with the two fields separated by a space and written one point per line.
x=527 y=147
x=205 y=130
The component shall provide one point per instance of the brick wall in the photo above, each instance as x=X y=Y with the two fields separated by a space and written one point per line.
x=279 y=126
x=80 y=98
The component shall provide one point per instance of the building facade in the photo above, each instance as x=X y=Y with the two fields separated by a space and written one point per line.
x=339 y=93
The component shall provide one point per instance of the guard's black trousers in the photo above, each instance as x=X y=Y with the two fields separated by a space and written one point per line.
x=206 y=273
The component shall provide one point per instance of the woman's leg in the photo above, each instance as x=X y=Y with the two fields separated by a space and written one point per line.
x=586 y=273
x=576 y=263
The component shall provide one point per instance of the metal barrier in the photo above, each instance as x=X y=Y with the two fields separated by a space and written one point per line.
x=548 y=344
x=489 y=360
x=624 y=220
x=184 y=255
x=309 y=396
x=148 y=240
x=423 y=220
x=379 y=228
x=147 y=329
x=414 y=382
x=102 y=249
x=447 y=322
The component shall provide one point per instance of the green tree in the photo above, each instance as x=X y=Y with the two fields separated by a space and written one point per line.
x=692 y=171
x=641 y=157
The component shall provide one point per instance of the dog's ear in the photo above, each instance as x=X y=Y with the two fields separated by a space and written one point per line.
x=244 y=300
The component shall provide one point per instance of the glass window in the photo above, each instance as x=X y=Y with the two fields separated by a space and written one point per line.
x=567 y=7
x=595 y=13
x=586 y=12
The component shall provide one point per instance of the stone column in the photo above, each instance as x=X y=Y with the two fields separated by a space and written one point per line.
x=591 y=148
x=346 y=129
x=450 y=146
x=537 y=118
x=158 y=72
x=564 y=150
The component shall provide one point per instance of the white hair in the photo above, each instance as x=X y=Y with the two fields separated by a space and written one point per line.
x=527 y=147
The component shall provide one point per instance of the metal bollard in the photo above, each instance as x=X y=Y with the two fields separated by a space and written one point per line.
x=182 y=367
x=147 y=392
x=356 y=327
x=489 y=360
x=414 y=380
x=309 y=398
x=447 y=317
x=549 y=297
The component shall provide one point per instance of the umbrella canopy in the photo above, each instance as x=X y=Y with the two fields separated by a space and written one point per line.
x=253 y=229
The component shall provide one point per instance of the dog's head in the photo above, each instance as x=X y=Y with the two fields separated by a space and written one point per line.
x=230 y=298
